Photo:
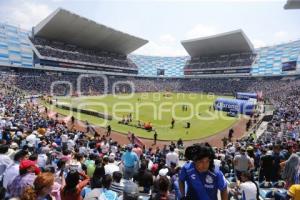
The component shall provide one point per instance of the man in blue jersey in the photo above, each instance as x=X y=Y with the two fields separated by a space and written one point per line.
x=202 y=180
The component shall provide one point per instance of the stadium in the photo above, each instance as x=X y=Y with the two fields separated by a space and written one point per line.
x=73 y=89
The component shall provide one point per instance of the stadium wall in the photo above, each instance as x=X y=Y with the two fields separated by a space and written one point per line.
x=149 y=65
x=15 y=49
x=269 y=59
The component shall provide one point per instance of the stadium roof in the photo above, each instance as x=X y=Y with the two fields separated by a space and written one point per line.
x=224 y=43
x=67 y=27
x=292 y=4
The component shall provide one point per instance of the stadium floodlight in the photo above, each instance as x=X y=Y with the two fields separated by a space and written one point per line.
x=292 y=4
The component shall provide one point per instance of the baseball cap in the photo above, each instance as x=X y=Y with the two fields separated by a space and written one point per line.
x=111 y=156
x=129 y=146
x=163 y=172
x=25 y=164
x=14 y=145
x=131 y=188
x=249 y=148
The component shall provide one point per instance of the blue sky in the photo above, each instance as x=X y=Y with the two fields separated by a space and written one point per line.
x=166 y=23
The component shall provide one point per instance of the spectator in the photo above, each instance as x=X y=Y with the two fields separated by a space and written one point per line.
x=278 y=158
x=130 y=161
x=202 y=180
x=248 y=189
x=172 y=157
x=42 y=187
x=291 y=170
x=5 y=160
x=117 y=184
x=72 y=186
x=266 y=166
x=163 y=193
x=12 y=171
x=144 y=177
x=131 y=191
x=94 y=191
x=241 y=162
x=111 y=167
x=106 y=192
x=294 y=192
x=25 y=178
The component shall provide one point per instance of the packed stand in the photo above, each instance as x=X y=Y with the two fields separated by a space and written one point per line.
x=71 y=52
x=222 y=61
x=40 y=158
x=65 y=83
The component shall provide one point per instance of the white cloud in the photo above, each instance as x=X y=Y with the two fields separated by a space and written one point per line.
x=258 y=43
x=201 y=30
x=166 y=45
x=281 y=36
x=167 y=38
x=155 y=49
x=26 y=14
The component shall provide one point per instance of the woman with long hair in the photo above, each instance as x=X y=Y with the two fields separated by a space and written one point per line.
x=42 y=187
x=92 y=190
x=72 y=185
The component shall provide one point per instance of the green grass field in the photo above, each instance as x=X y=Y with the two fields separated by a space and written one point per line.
x=157 y=109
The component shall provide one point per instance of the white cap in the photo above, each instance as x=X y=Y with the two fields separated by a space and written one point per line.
x=163 y=172
x=14 y=145
x=112 y=156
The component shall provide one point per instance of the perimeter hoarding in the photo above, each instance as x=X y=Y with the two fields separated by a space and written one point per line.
x=240 y=106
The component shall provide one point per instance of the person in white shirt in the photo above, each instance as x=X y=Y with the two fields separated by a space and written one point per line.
x=104 y=147
x=111 y=167
x=71 y=144
x=8 y=124
x=114 y=148
x=241 y=162
x=5 y=160
x=42 y=158
x=172 y=157
x=247 y=189
x=31 y=139
x=82 y=149
x=76 y=162
x=12 y=171
x=64 y=138
x=2 y=123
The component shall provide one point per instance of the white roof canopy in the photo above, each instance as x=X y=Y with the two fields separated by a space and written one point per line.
x=70 y=28
x=292 y=4
x=225 y=43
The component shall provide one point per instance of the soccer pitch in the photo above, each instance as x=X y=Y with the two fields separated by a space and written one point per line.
x=156 y=108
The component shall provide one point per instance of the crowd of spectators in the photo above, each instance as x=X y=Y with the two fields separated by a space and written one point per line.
x=71 y=52
x=65 y=83
x=221 y=61
x=41 y=158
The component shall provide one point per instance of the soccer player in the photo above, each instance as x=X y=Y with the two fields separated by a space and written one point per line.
x=172 y=123
x=155 y=137
x=108 y=131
